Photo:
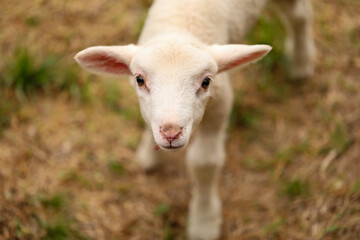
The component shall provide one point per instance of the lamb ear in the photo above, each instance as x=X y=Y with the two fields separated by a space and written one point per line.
x=232 y=55
x=107 y=59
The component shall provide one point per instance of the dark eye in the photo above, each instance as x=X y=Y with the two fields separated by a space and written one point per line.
x=206 y=82
x=140 y=80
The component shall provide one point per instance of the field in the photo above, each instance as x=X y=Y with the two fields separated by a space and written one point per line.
x=68 y=138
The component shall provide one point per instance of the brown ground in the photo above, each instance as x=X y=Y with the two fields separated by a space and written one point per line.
x=67 y=168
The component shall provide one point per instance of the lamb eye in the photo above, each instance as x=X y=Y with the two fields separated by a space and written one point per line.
x=206 y=82
x=140 y=80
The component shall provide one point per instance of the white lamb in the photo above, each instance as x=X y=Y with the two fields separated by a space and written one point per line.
x=178 y=69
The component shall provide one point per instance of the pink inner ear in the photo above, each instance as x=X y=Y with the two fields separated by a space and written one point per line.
x=106 y=63
x=245 y=59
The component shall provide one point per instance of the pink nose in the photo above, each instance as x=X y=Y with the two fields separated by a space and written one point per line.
x=170 y=132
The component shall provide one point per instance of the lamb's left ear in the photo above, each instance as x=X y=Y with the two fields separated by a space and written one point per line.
x=232 y=55
x=107 y=59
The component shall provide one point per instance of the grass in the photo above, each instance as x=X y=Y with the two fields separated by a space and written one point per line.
x=57 y=231
x=278 y=161
x=339 y=138
x=168 y=233
x=60 y=224
x=62 y=229
x=7 y=108
x=116 y=167
x=113 y=99
x=270 y=73
x=112 y=96
x=243 y=116
x=56 y=201
x=32 y=21
x=68 y=79
x=27 y=73
x=257 y=164
x=355 y=188
x=296 y=188
x=273 y=229
x=331 y=229
x=269 y=30
x=132 y=142
x=354 y=36
x=75 y=176
x=162 y=209
x=132 y=114
x=20 y=230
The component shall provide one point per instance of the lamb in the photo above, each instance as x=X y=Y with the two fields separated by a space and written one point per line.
x=178 y=71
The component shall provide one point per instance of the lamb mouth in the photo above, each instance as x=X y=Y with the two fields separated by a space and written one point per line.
x=172 y=147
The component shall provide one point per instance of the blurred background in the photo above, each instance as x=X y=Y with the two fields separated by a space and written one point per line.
x=67 y=138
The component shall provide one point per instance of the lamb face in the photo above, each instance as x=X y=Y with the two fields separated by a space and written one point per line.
x=172 y=78
x=173 y=83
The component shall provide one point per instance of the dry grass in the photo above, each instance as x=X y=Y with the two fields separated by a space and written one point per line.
x=67 y=168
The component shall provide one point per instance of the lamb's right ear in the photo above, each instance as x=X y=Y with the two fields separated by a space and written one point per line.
x=107 y=59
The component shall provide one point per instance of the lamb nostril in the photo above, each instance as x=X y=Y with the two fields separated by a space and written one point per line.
x=170 y=132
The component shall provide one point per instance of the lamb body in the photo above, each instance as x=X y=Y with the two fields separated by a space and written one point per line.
x=176 y=57
x=210 y=21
